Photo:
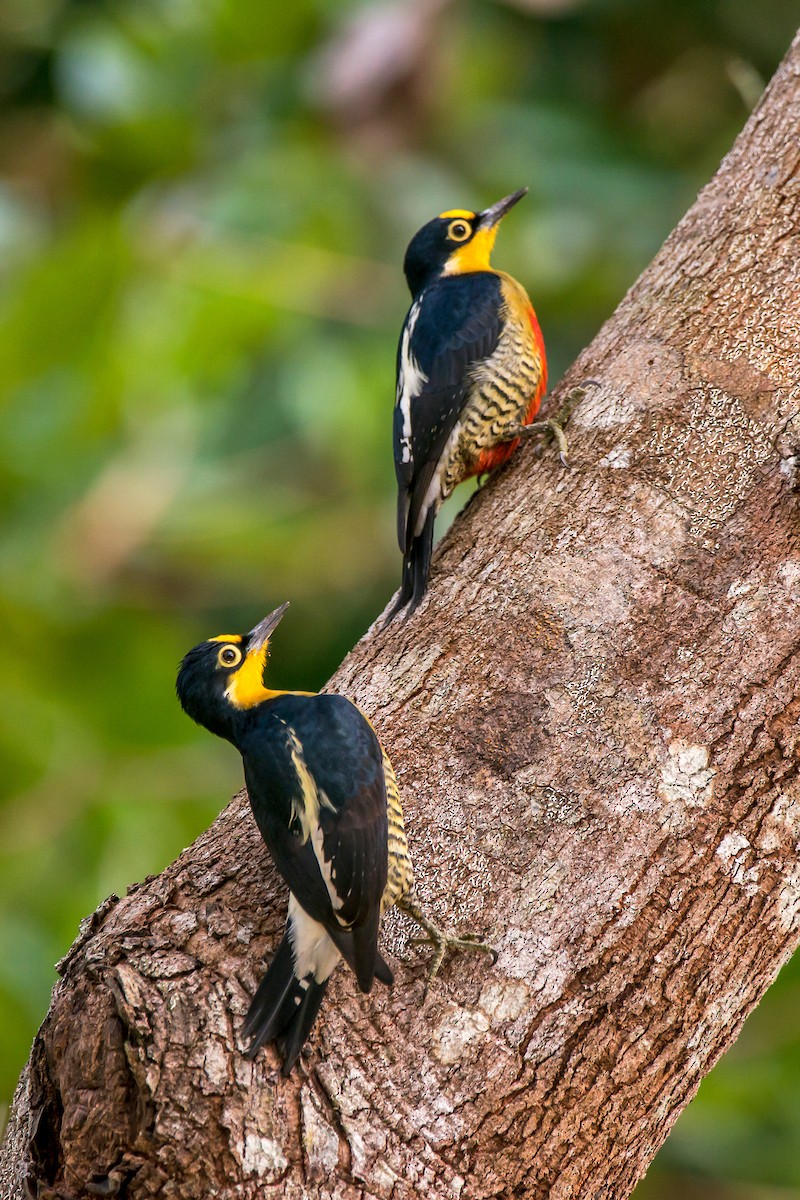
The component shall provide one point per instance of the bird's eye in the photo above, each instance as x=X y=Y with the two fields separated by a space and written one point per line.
x=458 y=231
x=229 y=656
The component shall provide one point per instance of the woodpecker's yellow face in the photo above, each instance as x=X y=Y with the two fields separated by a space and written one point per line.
x=471 y=244
x=225 y=675
x=454 y=243
x=243 y=669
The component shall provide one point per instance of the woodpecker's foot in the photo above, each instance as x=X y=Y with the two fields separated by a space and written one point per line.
x=554 y=426
x=550 y=426
x=441 y=941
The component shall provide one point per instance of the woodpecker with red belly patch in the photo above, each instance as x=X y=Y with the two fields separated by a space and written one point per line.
x=471 y=374
x=326 y=801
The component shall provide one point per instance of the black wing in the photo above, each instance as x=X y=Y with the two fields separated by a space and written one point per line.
x=454 y=325
x=315 y=778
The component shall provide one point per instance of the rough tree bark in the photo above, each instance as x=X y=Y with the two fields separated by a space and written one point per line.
x=594 y=720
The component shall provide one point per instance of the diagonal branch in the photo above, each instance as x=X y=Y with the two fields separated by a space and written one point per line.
x=594 y=719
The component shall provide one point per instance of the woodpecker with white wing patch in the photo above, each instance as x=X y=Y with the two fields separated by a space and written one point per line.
x=471 y=374
x=326 y=801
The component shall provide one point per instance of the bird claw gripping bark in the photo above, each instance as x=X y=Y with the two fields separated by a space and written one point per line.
x=550 y=426
x=554 y=426
x=440 y=940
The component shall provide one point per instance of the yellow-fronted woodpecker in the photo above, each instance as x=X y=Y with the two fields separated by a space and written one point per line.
x=326 y=801
x=471 y=374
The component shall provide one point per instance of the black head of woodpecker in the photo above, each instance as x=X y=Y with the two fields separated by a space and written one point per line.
x=221 y=678
x=455 y=242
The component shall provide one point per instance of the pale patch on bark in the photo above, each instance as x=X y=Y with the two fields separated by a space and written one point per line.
x=262 y=1156
x=789 y=898
x=686 y=778
x=216 y=1061
x=534 y=958
x=602 y=409
x=459 y=1030
x=782 y=820
x=750 y=597
x=320 y=1139
x=504 y=1001
x=619 y=458
x=789 y=576
x=734 y=851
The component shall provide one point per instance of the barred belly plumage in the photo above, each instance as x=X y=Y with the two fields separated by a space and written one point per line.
x=401 y=873
x=500 y=397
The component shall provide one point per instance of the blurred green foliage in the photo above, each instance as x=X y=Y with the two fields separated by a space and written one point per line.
x=203 y=210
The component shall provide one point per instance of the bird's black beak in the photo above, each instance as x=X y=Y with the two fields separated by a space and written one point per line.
x=262 y=632
x=492 y=216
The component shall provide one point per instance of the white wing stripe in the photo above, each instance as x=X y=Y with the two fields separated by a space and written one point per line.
x=327 y=871
x=410 y=381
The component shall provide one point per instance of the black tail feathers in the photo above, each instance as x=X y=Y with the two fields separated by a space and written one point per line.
x=292 y=1040
x=284 y=1008
x=416 y=568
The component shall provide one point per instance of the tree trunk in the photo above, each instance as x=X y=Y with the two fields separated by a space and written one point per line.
x=594 y=720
